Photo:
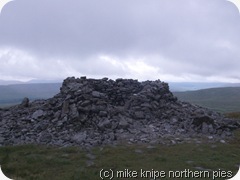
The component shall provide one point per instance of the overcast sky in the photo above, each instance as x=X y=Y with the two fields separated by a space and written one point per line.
x=170 y=40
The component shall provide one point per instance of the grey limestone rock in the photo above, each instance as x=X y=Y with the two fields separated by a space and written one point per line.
x=90 y=112
x=37 y=114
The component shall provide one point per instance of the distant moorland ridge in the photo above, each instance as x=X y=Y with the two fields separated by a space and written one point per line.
x=13 y=94
x=225 y=99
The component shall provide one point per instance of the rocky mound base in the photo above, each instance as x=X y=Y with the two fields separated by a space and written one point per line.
x=89 y=112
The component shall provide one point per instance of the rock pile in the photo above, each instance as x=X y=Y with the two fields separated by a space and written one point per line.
x=91 y=112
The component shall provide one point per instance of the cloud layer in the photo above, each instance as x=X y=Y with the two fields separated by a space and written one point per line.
x=177 y=40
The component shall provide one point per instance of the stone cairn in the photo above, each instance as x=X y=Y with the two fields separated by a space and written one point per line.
x=91 y=112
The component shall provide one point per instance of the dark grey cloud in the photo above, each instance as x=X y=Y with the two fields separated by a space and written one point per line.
x=166 y=39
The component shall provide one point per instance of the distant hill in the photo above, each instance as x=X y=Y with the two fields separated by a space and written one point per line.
x=14 y=94
x=4 y=82
x=192 y=86
x=226 y=99
x=33 y=81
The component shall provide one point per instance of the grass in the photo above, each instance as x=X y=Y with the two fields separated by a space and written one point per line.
x=32 y=162
x=40 y=162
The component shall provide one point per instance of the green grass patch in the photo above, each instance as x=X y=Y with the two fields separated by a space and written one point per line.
x=40 y=162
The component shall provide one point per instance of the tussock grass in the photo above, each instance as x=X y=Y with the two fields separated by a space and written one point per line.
x=41 y=162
